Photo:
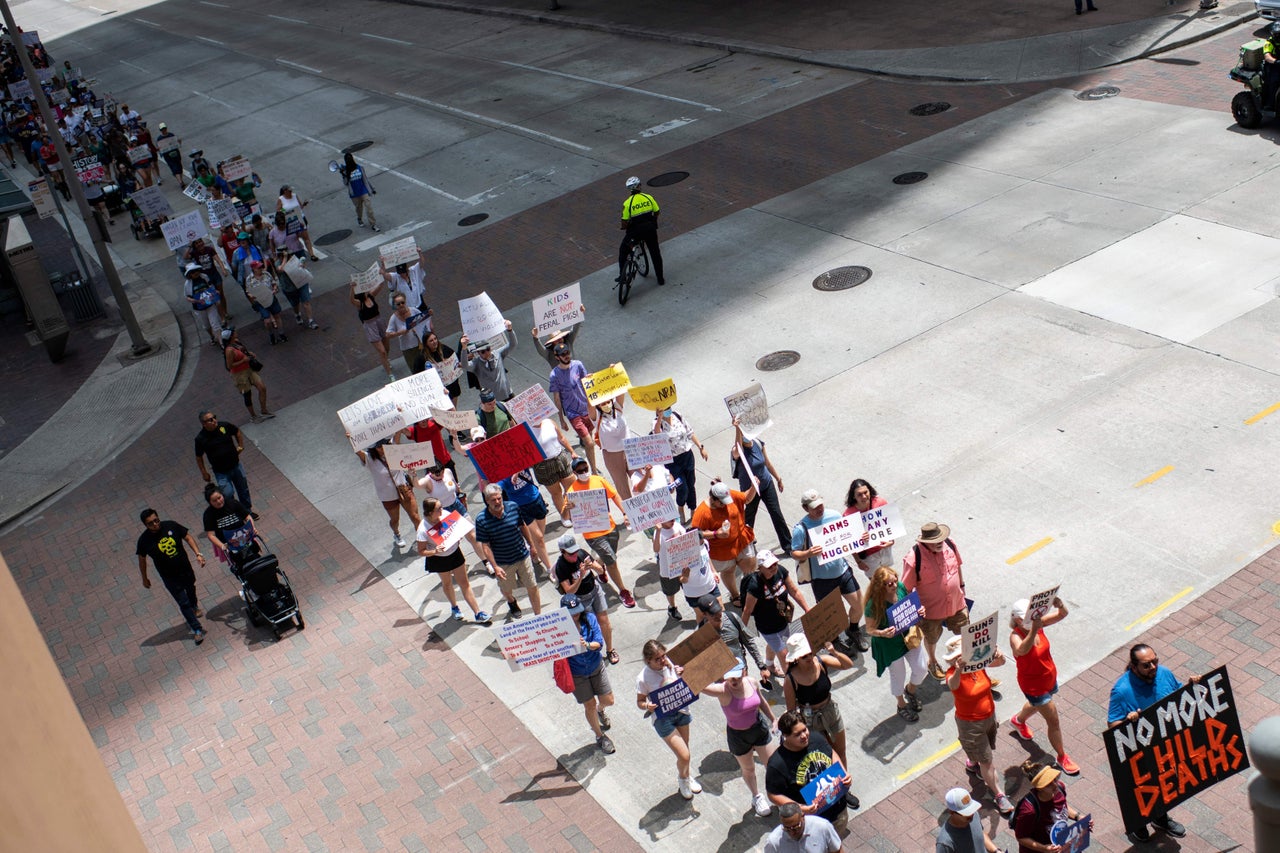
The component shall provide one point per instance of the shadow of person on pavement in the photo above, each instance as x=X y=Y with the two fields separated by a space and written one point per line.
x=536 y=789
x=176 y=634
x=584 y=762
x=669 y=814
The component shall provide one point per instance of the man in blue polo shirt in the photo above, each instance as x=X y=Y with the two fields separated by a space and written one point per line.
x=505 y=545
x=831 y=575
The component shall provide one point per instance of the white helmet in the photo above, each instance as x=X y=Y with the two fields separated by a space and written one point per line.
x=633 y=183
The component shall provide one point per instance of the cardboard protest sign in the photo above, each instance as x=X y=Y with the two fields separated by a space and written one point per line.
x=236 y=169
x=826 y=789
x=259 y=289
x=1041 y=602
x=367 y=280
x=89 y=169
x=481 y=319
x=672 y=697
x=506 y=453
x=643 y=450
x=181 y=230
x=139 y=154
x=655 y=397
x=448 y=532
x=978 y=643
x=558 y=310
x=165 y=144
x=606 y=384
x=825 y=620
x=222 y=211
x=590 y=509
x=881 y=525
x=197 y=192
x=1183 y=744
x=417 y=393
x=398 y=252
x=152 y=203
x=1071 y=836
x=371 y=418
x=450 y=370
x=751 y=408
x=708 y=665
x=42 y=198
x=408 y=457
x=700 y=640
x=454 y=421
x=549 y=636
x=837 y=538
x=904 y=613
x=59 y=96
x=649 y=509
x=681 y=552
x=531 y=406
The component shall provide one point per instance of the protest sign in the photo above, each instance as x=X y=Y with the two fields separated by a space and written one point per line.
x=20 y=89
x=825 y=620
x=167 y=143
x=408 y=457
x=1071 y=836
x=655 y=397
x=672 y=697
x=751 y=408
x=367 y=280
x=448 y=532
x=688 y=648
x=181 y=230
x=837 y=538
x=705 y=664
x=197 y=192
x=222 y=211
x=826 y=789
x=549 y=636
x=531 y=406
x=1041 y=602
x=293 y=222
x=417 y=393
x=259 y=289
x=399 y=252
x=1183 y=744
x=481 y=319
x=450 y=370
x=371 y=418
x=905 y=612
x=44 y=75
x=590 y=508
x=90 y=169
x=151 y=202
x=643 y=450
x=882 y=524
x=649 y=509
x=558 y=310
x=236 y=169
x=139 y=154
x=453 y=421
x=42 y=198
x=59 y=96
x=681 y=552
x=606 y=384
x=30 y=37
x=506 y=453
x=978 y=643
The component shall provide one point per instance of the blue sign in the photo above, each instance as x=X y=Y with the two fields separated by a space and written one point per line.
x=904 y=613
x=827 y=789
x=1073 y=837
x=672 y=698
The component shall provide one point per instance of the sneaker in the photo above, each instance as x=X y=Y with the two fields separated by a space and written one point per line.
x=514 y=608
x=312 y=324
x=606 y=745
x=1139 y=836
x=1068 y=766
x=1022 y=730
x=375 y=227
x=628 y=600
x=199 y=636
x=256 y=419
x=391 y=376
x=851 y=800
x=483 y=618
x=398 y=541
x=266 y=416
x=273 y=339
x=617 y=280
x=456 y=613
x=694 y=785
x=761 y=804
x=673 y=613
x=841 y=645
x=567 y=524
x=685 y=790
x=857 y=640
x=253 y=515
x=605 y=725
x=1004 y=805
x=971 y=767
x=297 y=318
x=359 y=221
x=1170 y=826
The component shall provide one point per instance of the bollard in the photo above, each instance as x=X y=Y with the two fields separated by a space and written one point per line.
x=1264 y=790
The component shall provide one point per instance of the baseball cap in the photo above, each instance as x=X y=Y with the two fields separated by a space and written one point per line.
x=487 y=396
x=561 y=349
x=578 y=460
x=227 y=333
x=811 y=498
x=1019 y=610
x=766 y=558
x=959 y=801
x=720 y=492
x=568 y=542
x=708 y=604
x=572 y=603
x=739 y=669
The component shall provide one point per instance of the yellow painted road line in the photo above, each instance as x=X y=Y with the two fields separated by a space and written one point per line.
x=1027 y=552
x=930 y=761
x=1267 y=411
x=1146 y=481
x=1165 y=606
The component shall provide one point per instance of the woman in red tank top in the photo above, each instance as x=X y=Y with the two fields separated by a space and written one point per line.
x=1038 y=675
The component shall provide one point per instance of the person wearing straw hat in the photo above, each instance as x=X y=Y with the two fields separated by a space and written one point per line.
x=976 y=721
x=933 y=570
x=960 y=833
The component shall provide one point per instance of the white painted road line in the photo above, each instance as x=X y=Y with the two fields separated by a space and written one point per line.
x=492 y=121
x=289 y=20
x=299 y=66
x=387 y=170
x=609 y=85
x=215 y=5
x=387 y=236
x=132 y=65
x=211 y=41
x=145 y=21
x=234 y=109
x=385 y=38
x=663 y=128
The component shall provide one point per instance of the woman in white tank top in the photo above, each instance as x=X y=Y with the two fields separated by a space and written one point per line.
x=611 y=432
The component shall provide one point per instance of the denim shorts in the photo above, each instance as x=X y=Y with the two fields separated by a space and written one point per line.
x=664 y=726
x=1037 y=701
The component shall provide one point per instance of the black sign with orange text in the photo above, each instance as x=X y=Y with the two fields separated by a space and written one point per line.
x=1183 y=744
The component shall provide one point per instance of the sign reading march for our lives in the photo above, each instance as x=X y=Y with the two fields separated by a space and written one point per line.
x=1071 y=836
x=481 y=319
x=751 y=408
x=531 y=406
x=905 y=612
x=506 y=453
x=655 y=397
x=649 y=509
x=882 y=524
x=558 y=310
x=372 y=418
x=826 y=789
x=978 y=643
x=543 y=638
x=672 y=697
x=606 y=384
x=1183 y=744
x=409 y=457
x=590 y=510
x=1041 y=602
x=181 y=230
x=837 y=538
x=643 y=450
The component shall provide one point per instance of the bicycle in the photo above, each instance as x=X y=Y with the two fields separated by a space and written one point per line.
x=637 y=262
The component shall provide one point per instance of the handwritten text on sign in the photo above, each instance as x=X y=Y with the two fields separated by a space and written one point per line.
x=904 y=613
x=837 y=538
x=531 y=406
x=1178 y=747
x=453 y=421
x=181 y=230
x=91 y=169
x=408 y=457
x=978 y=646
x=417 y=393
x=366 y=280
x=882 y=524
x=672 y=697
x=590 y=509
x=751 y=408
x=649 y=509
x=506 y=453
x=558 y=310
x=681 y=552
x=606 y=384
x=645 y=450
x=399 y=252
x=236 y=169
x=657 y=396
x=532 y=640
x=372 y=418
x=481 y=319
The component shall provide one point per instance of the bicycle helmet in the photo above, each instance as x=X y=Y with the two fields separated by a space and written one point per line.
x=633 y=183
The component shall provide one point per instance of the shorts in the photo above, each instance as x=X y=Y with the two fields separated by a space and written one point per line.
x=1042 y=699
x=587 y=687
x=302 y=294
x=459 y=506
x=978 y=738
x=826 y=719
x=446 y=564
x=932 y=628
x=594 y=601
x=606 y=547
x=727 y=566
x=374 y=330
x=873 y=560
x=271 y=310
x=664 y=726
x=742 y=741
x=693 y=602
x=669 y=586
x=553 y=470
x=846 y=583
x=246 y=379
x=582 y=426
x=533 y=511
x=778 y=641
x=519 y=572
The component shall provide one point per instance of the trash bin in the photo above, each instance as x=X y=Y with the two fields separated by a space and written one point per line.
x=85 y=304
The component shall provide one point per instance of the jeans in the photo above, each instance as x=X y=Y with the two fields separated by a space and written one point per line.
x=234 y=479
x=186 y=598
x=682 y=466
x=770 y=497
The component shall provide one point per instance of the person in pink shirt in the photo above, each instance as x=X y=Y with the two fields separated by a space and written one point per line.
x=932 y=569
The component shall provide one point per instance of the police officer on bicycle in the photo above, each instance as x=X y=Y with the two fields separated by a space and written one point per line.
x=640 y=221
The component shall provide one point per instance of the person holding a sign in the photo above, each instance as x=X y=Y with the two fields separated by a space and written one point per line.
x=291 y=206
x=504 y=544
x=673 y=728
x=407 y=325
x=1038 y=811
x=170 y=147
x=682 y=466
x=393 y=489
x=610 y=433
x=446 y=364
x=556 y=471
x=446 y=560
x=934 y=570
x=547 y=347
x=591 y=685
x=767 y=595
x=802 y=756
x=862 y=497
x=833 y=574
x=749 y=723
x=488 y=366
x=567 y=392
x=579 y=574
x=695 y=578
x=375 y=329
x=808 y=687
x=261 y=287
x=889 y=646
x=439 y=484
x=603 y=542
x=521 y=489
x=1038 y=675
x=723 y=522
x=204 y=300
x=750 y=463
x=211 y=263
x=976 y=718
x=409 y=280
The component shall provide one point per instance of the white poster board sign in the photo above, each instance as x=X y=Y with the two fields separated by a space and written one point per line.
x=449 y=531
x=368 y=279
x=197 y=192
x=681 y=552
x=544 y=638
x=399 y=252
x=236 y=169
x=643 y=450
x=42 y=198
x=979 y=643
x=417 y=393
x=481 y=319
x=838 y=538
x=649 y=509
x=180 y=231
x=751 y=408
x=408 y=457
x=1041 y=602
x=152 y=203
x=531 y=406
x=450 y=370
x=590 y=509
x=883 y=524
x=372 y=418
x=558 y=310
x=452 y=421
x=222 y=211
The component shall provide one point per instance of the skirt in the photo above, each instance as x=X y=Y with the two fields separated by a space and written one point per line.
x=553 y=470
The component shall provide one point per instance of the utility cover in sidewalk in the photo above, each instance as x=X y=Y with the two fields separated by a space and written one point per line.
x=666 y=179
x=910 y=177
x=1097 y=93
x=930 y=109
x=333 y=237
x=778 y=360
x=841 y=278
x=473 y=219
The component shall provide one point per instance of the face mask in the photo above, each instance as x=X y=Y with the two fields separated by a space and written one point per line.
x=583 y=477
x=607 y=408
x=666 y=413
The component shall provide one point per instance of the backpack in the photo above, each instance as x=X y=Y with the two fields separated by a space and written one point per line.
x=915 y=549
x=1035 y=803
x=502 y=406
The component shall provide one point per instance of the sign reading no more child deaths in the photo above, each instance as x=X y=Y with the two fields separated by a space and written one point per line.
x=1186 y=742
x=558 y=310
x=751 y=408
x=543 y=638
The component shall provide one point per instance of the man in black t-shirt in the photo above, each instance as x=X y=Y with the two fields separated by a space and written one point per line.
x=799 y=759
x=165 y=542
x=222 y=443
x=576 y=572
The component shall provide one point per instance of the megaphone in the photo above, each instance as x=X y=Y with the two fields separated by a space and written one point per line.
x=333 y=165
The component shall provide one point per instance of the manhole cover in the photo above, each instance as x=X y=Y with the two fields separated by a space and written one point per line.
x=333 y=237
x=1097 y=93
x=930 y=109
x=666 y=179
x=778 y=360
x=910 y=177
x=473 y=219
x=841 y=278
x=358 y=146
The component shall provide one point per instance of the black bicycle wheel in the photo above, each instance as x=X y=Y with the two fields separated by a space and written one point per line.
x=642 y=263
x=628 y=274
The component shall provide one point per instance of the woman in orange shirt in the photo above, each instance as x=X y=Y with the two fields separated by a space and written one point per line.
x=976 y=719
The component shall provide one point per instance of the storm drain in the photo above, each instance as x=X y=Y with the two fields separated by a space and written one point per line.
x=666 y=179
x=1097 y=93
x=473 y=219
x=779 y=360
x=931 y=109
x=841 y=278
x=333 y=237
x=910 y=178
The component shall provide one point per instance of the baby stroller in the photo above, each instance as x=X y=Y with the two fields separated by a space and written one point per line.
x=141 y=224
x=265 y=589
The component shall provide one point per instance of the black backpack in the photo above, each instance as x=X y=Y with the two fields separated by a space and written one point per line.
x=915 y=549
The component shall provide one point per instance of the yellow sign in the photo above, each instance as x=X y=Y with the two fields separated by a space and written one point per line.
x=606 y=384
x=655 y=397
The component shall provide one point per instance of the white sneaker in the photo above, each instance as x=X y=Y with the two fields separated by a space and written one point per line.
x=762 y=805
x=686 y=790
x=399 y=542
x=694 y=786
